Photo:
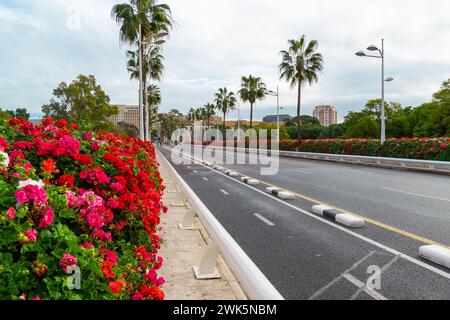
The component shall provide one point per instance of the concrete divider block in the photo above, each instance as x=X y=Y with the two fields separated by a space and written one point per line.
x=253 y=182
x=272 y=189
x=319 y=209
x=233 y=174
x=340 y=217
x=286 y=195
x=436 y=254
x=350 y=220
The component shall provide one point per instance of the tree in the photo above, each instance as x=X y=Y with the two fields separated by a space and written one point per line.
x=171 y=121
x=153 y=67
x=225 y=102
x=300 y=64
x=210 y=111
x=127 y=129
x=150 y=18
x=21 y=113
x=305 y=121
x=252 y=89
x=82 y=101
x=6 y=114
x=153 y=100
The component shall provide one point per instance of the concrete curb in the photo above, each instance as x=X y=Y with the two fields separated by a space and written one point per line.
x=436 y=254
x=250 y=181
x=340 y=217
x=280 y=193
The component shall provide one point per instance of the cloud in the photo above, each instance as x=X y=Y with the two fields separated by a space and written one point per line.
x=214 y=43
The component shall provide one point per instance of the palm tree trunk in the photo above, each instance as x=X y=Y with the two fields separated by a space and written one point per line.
x=146 y=122
x=299 y=98
x=251 y=115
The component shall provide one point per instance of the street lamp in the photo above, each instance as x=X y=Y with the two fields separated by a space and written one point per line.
x=383 y=80
x=276 y=94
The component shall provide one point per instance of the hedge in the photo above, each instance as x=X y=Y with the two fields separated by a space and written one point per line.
x=408 y=148
x=79 y=214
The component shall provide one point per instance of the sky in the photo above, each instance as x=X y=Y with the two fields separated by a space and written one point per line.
x=216 y=42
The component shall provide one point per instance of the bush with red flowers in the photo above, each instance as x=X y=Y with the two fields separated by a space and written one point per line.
x=79 y=214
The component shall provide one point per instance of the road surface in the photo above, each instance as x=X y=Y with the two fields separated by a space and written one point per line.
x=307 y=257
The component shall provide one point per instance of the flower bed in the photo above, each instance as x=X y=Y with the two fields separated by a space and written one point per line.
x=79 y=214
x=409 y=148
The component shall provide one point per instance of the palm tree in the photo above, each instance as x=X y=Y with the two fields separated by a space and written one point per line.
x=153 y=101
x=191 y=114
x=300 y=64
x=210 y=111
x=252 y=89
x=144 y=16
x=225 y=102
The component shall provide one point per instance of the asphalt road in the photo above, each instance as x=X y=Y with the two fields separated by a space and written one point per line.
x=307 y=257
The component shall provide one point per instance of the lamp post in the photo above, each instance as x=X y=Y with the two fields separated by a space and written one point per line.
x=383 y=80
x=276 y=94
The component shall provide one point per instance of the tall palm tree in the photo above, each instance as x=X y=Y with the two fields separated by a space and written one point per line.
x=225 y=102
x=301 y=64
x=210 y=110
x=252 y=89
x=153 y=101
x=147 y=16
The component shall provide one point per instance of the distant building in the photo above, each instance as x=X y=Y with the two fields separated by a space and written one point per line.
x=273 y=118
x=214 y=120
x=327 y=115
x=128 y=114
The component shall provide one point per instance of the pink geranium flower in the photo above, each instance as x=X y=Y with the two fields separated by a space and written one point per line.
x=47 y=218
x=67 y=261
x=31 y=235
x=10 y=213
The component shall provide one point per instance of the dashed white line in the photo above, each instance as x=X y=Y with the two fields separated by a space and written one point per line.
x=195 y=171
x=268 y=222
x=224 y=192
x=301 y=171
x=415 y=194
x=206 y=179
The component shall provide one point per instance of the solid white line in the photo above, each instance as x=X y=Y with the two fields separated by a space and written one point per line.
x=268 y=222
x=415 y=194
x=356 y=235
x=206 y=179
x=374 y=294
x=224 y=192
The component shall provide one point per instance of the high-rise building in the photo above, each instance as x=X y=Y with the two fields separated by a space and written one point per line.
x=128 y=114
x=327 y=115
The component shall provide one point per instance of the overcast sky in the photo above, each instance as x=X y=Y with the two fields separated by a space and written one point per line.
x=215 y=42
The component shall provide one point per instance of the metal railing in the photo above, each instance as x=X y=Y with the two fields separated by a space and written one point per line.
x=252 y=280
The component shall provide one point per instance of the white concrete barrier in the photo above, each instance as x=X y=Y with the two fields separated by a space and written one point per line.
x=436 y=254
x=340 y=217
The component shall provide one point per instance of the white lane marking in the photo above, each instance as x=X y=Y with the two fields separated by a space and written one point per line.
x=301 y=171
x=266 y=221
x=415 y=194
x=206 y=179
x=195 y=171
x=188 y=167
x=374 y=294
x=356 y=235
x=224 y=192
x=332 y=282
